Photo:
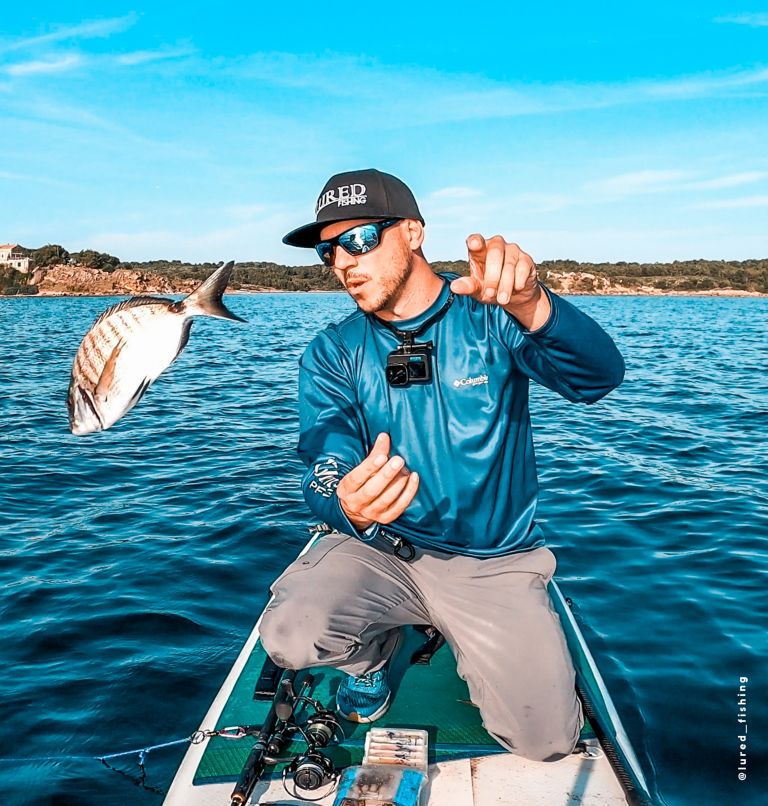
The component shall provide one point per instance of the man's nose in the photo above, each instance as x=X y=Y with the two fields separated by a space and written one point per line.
x=342 y=260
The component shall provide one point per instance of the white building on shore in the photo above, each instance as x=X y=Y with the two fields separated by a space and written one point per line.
x=11 y=256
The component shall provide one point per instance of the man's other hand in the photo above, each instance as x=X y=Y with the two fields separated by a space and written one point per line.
x=379 y=489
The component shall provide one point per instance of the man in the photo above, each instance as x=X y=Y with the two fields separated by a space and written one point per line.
x=415 y=429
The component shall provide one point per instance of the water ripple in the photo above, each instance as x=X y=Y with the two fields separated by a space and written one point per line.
x=135 y=562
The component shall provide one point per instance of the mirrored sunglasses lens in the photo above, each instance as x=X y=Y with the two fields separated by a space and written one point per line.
x=325 y=250
x=360 y=239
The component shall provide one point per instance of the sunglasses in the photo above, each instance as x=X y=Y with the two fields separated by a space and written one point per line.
x=356 y=241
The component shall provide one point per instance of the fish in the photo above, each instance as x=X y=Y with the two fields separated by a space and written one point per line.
x=130 y=345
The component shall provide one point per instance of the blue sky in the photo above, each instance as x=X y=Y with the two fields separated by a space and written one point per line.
x=205 y=131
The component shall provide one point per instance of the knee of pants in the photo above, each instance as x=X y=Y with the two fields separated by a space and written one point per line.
x=540 y=743
x=536 y=749
x=296 y=638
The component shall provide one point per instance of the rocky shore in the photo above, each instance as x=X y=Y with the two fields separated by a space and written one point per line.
x=586 y=283
x=73 y=280
x=66 y=279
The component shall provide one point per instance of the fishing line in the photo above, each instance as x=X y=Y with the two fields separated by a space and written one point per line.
x=140 y=752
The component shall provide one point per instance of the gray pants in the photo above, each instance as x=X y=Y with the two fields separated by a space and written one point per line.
x=342 y=602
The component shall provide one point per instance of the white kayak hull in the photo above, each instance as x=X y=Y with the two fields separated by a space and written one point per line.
x=476 y=780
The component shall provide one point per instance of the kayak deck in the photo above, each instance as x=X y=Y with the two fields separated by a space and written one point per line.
x=467 y=767
x=434 y=692
x=497 y=780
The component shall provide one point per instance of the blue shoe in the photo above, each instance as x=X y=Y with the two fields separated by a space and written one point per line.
x=364 y=698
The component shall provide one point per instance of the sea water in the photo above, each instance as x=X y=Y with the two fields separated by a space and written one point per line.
x=133 y=563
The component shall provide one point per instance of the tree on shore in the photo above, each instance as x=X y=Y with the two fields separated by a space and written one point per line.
x=92 y=259
x=48 y=255
x=679 y=275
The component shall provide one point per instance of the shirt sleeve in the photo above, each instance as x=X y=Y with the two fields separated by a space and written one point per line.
x=570 y=354
x=332 y=435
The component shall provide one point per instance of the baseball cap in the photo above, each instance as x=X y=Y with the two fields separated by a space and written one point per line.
x=356 y=194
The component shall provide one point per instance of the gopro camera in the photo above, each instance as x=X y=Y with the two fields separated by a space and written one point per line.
x=410 y=363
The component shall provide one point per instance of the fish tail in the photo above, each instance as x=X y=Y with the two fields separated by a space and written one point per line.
x=205 y=300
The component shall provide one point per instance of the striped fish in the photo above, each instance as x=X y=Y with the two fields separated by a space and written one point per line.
x=128 y=347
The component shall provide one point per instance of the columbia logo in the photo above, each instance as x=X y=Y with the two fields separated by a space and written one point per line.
x=479 y=380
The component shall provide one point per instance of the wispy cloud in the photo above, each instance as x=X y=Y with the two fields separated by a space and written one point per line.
x=427 y=96
x=219 y=243
x=640 y=242
x=246 y=211
x=725 y=204
x=702 y=85
x=733 y=180
x=456 y=193
x=48 y=109
x=72 y=61
x=753 y=20
x=443 y=205
x=628 y=184
x=666 y=181
x=544 y=202
x=85 y=30
x=146 y=56
x=39 y=66
x=422 y=95
x=43 y=180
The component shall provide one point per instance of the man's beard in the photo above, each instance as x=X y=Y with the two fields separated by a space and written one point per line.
x=390 y=291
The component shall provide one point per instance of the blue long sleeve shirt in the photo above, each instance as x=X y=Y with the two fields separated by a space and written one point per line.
x=467 y=433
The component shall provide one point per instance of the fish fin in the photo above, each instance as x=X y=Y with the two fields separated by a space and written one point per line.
x=71 y=398
x=108 y=373
x=78 y=400
x=86 y=396
x=133 y=302
x=205 y=300
x=184 y=337
x=139 y=393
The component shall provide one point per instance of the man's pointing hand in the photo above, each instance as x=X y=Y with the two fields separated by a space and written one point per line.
x=501 y=273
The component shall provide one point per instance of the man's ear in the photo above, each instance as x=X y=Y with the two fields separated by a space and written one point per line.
x=415 y=233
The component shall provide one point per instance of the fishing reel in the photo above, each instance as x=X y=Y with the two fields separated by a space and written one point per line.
x=309 y=771
x=313 y=770
x=321 y=727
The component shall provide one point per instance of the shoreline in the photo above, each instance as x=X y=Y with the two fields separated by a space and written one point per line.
x=76 y=280
x=634 y=292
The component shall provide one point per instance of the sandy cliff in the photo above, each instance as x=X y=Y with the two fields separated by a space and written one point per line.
x=582 y=282
x=66 y=279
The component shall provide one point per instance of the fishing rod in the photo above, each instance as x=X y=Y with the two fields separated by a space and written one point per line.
x=269 y=740
x=309 y=770
x=312 y=769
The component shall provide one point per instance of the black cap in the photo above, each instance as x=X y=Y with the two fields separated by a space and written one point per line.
x=356 y=194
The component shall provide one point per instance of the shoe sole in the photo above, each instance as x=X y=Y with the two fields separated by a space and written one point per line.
x=354 y=716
